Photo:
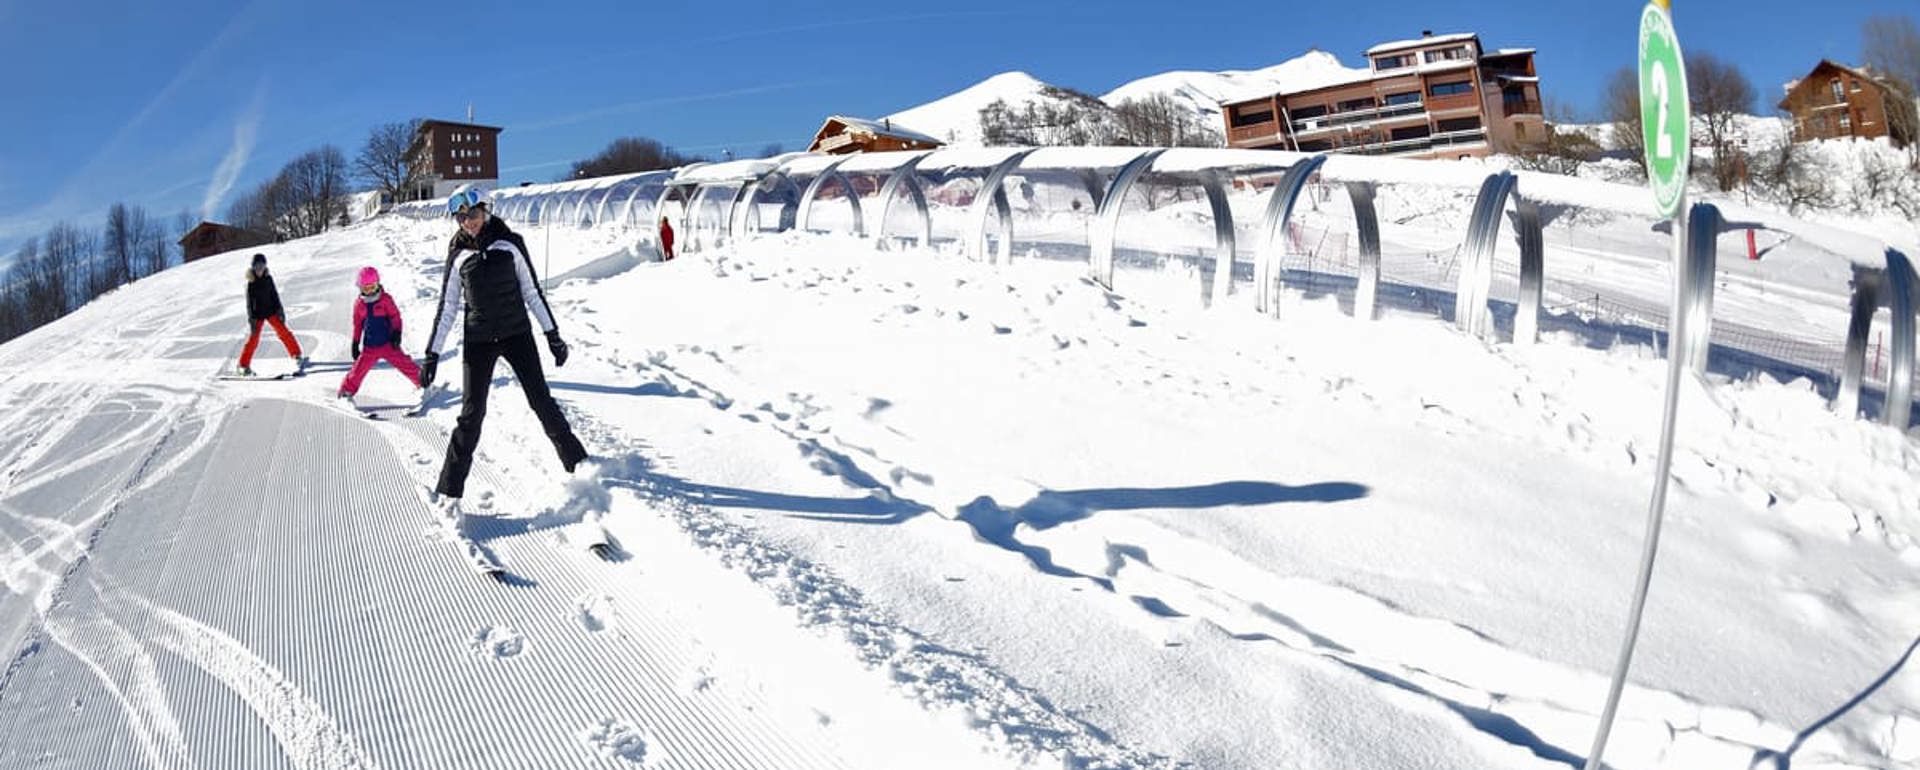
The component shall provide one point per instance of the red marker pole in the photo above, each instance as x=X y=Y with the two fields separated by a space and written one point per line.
x=1752 y=253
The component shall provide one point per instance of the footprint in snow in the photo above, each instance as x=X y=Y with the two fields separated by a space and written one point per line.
x=595 y=612
x=497 y=642
x=617 y=739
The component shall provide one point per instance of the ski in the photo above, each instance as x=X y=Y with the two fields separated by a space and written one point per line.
x=231 y=377
x=476 y=556
x=426 y=400
x=600 y=543
x=365 y=412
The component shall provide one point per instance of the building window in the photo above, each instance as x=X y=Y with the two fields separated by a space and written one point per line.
x=1411 y=132
x=1404 y=97
x=1252 y=118
x=1309 y=111
x=1450 y=89
x=1393 y=62
x=1846 y=122
x=1352 y=105
x=1447 y=54
x=1458 y=124
x=1839 y=92
x=1854 y=86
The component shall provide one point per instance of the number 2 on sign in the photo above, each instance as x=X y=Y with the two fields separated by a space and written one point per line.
x=1663 y=144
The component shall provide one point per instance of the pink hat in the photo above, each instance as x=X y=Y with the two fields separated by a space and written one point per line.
x=369 y=276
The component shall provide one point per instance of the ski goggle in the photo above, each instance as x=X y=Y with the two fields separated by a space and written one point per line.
x=371 y=288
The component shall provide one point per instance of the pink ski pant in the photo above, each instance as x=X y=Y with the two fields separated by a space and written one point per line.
x=369 y=356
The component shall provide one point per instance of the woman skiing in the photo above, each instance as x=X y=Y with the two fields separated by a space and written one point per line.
x=488 y=282
x=263 y=306
x=376 y=335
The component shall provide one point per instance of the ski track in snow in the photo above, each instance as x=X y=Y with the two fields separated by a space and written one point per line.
x=1500 y=691
x=1517 y=698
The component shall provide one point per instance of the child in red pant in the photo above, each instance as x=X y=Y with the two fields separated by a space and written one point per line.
x=376 y=335
x=263 y=307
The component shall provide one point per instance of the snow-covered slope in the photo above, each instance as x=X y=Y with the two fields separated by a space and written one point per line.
x=955 y=118
x=901 y=509
x=1202 y=92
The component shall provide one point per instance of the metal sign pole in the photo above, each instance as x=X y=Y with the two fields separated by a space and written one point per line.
x=1664 y=112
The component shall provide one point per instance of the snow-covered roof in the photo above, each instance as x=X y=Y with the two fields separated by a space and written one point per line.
x=887 y=128
x=1520 y=78
x=1399 y=44
x=1511 y=51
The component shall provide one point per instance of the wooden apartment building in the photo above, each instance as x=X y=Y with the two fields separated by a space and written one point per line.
x=1835 y=101
x=1437 y=96
x=445 y=155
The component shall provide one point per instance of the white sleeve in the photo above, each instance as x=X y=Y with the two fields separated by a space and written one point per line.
x=530 y=293
x=443 y=319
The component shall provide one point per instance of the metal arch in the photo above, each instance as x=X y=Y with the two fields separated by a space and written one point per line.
x=907 y=176
x=599 y=208
x=1475 y=286
x=1475 y=282
x=1215 y=183
x=626 y=209
x=1274 y=225
x=1695 y=298
x=1106 y=218
x=993 y=194
x=734 y=222
x=1367 y=226
x=1090 y=181
x=747 y=221
x=1900 y=278
x=830 y=173
x=1533 y=257
x=1867 y=297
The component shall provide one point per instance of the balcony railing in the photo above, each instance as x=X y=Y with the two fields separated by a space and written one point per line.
x=1528 y=107
x=1337 y=119
x=1255 y=132
x=1421 y=144
x=1468 y=100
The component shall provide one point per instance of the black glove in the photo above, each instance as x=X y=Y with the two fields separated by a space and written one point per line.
x=396 y=338
x=356 y=350
x=559 y=348
x=429 y=366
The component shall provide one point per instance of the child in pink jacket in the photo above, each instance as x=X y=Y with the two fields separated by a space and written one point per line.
x=376 y=335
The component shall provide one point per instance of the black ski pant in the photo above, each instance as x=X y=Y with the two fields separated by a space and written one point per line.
x=477 y=363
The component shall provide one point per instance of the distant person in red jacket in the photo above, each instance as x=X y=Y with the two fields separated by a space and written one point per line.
x=376 y=335
x=666 y=240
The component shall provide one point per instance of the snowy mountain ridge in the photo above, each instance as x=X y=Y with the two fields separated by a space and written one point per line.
x=955 y=117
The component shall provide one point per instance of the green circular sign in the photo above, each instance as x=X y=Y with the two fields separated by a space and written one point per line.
x=1664 y=109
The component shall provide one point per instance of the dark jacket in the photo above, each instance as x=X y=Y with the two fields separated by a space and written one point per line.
x=489 y=280
x=263 y=301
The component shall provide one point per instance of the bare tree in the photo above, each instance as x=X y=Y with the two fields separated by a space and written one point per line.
x=117 y=245
x=1622 y=105
x=1564 y=150
x=316 y=185
x=150 y=245
x=1787 y=172
x=1720 y=94
x=1160 y=121
x=628 y=155
x=183 y=223
x=382 y=162
x=1891 y=46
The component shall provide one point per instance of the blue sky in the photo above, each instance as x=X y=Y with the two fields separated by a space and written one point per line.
x=177 y=106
